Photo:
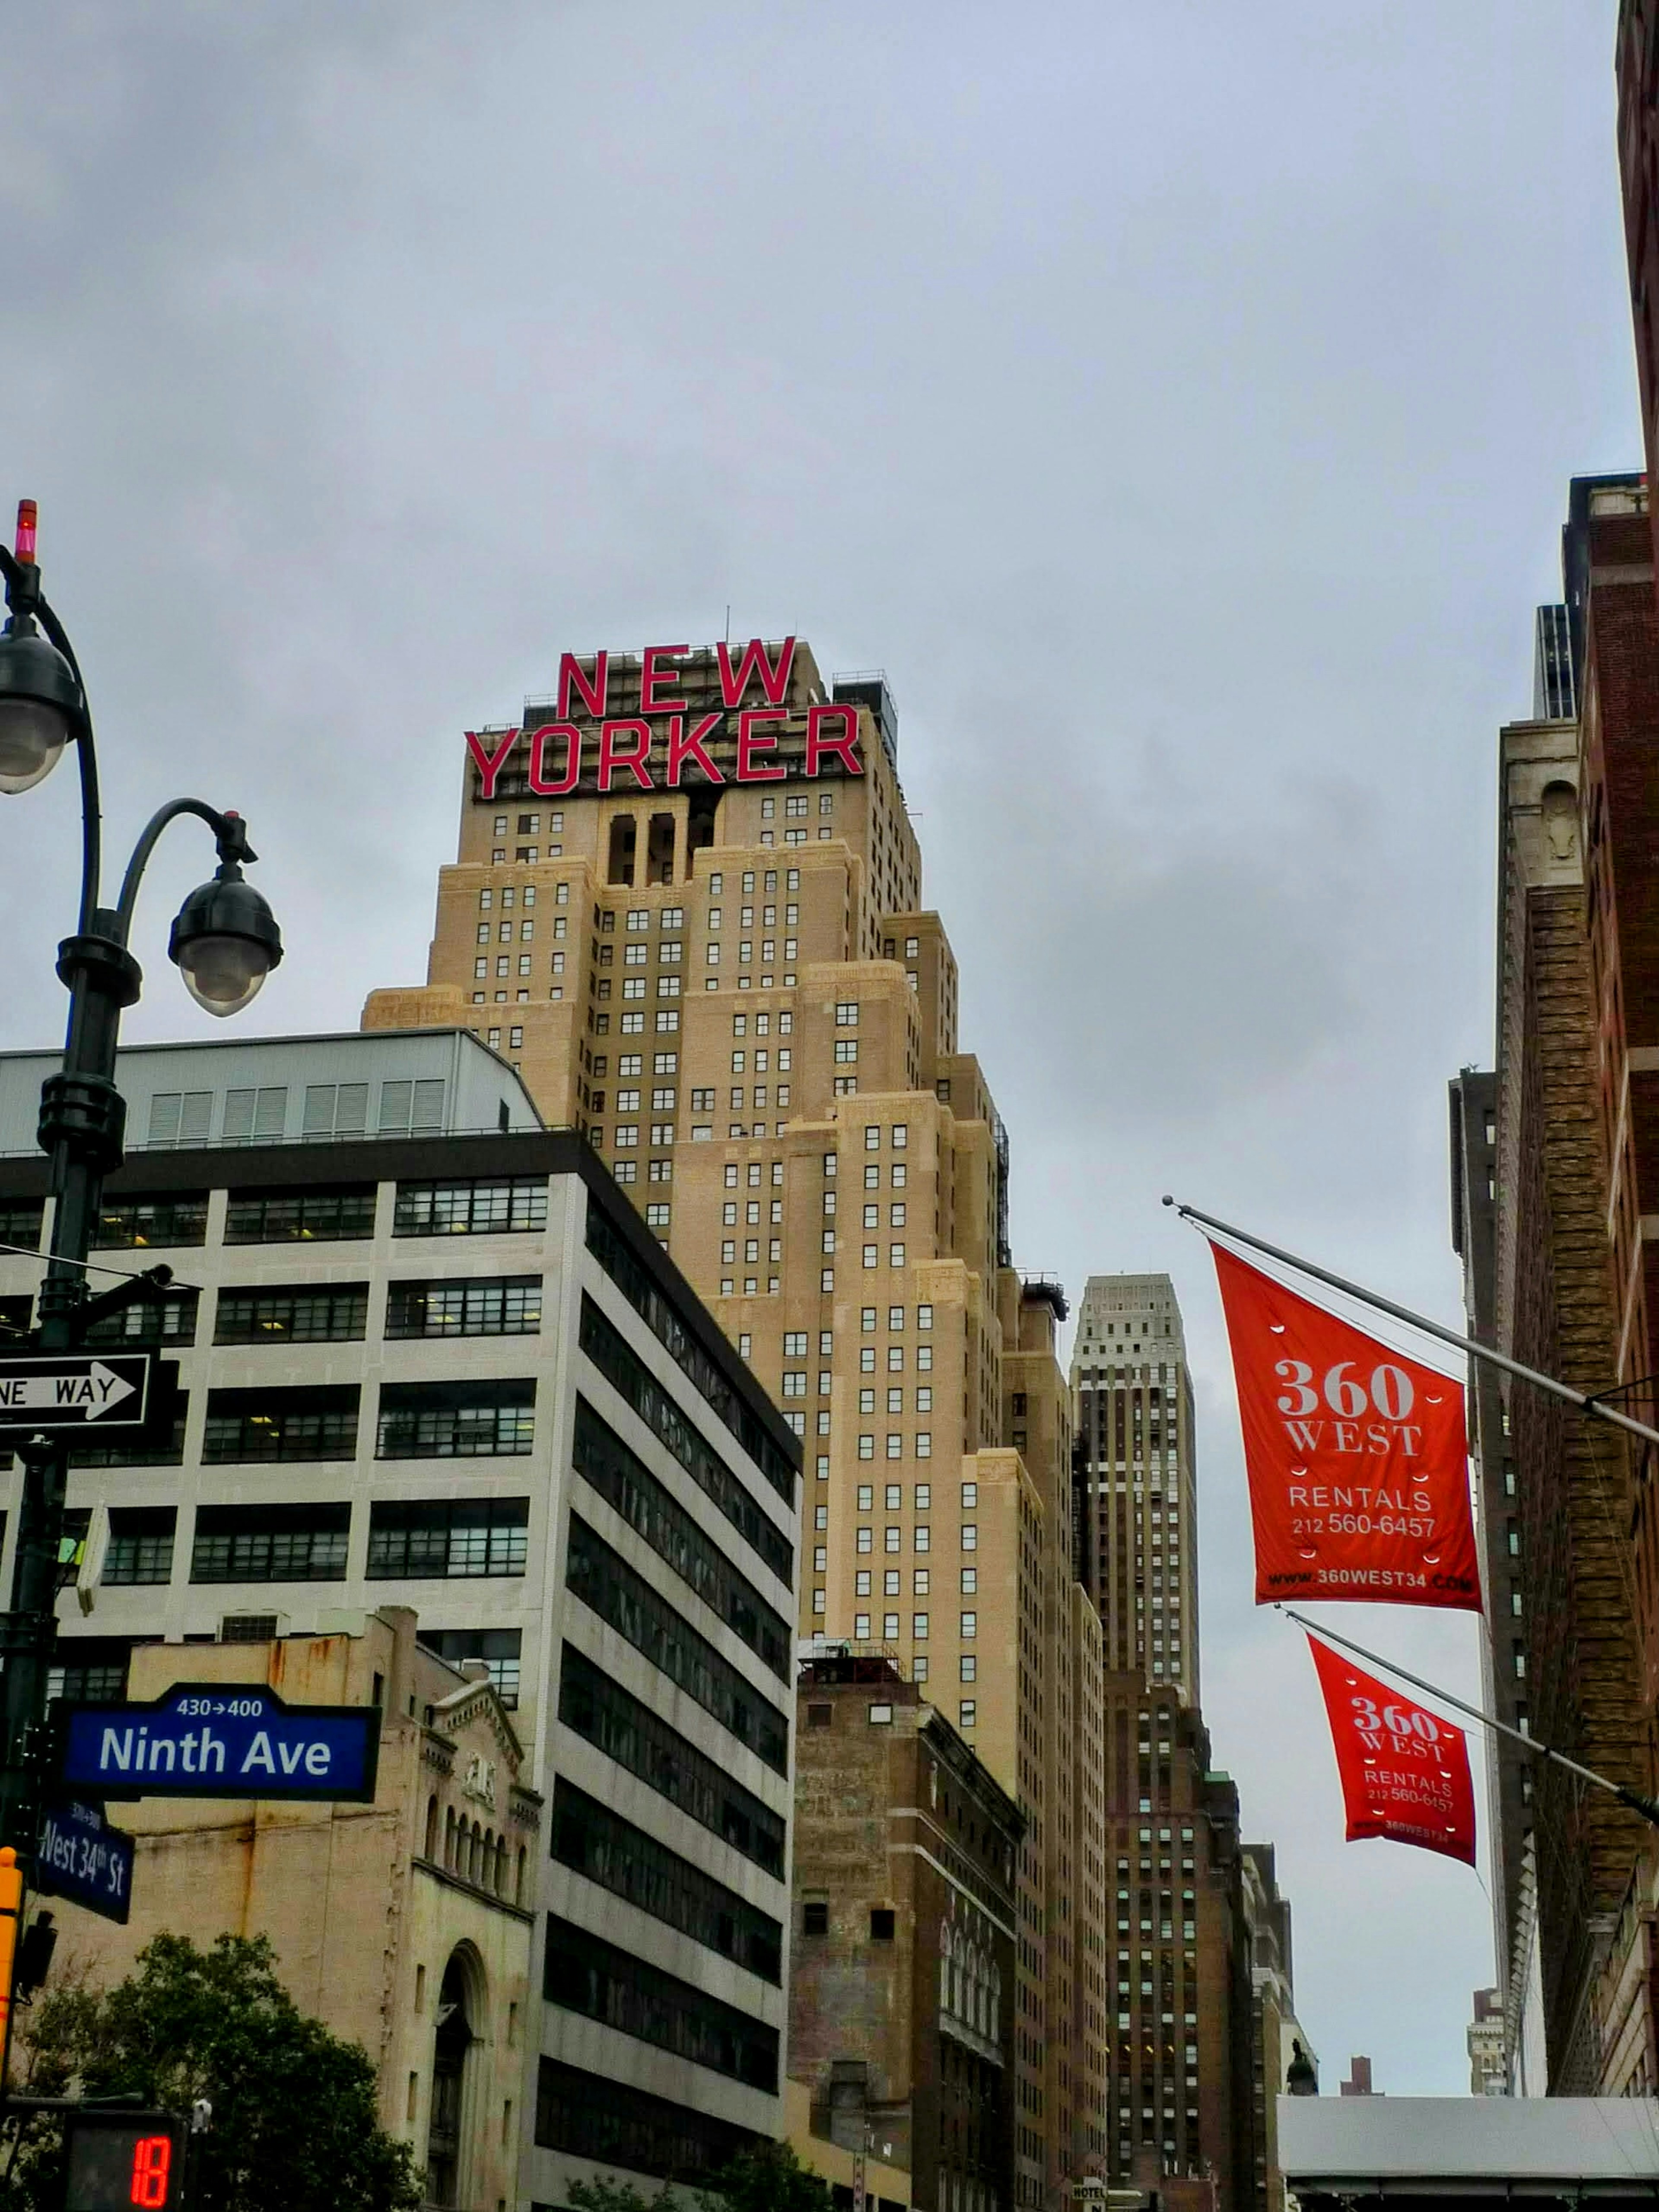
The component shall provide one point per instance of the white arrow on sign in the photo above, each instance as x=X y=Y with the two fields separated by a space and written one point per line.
x=94 y=1393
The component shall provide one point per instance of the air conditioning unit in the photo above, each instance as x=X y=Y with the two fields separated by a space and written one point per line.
x=252 y=1628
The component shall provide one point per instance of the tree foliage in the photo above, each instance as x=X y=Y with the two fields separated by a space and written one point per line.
x=294 y=2123
x=768 y=2179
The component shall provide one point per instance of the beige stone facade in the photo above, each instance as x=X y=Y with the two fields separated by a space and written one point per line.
x=404 y=1924
x=732 y=990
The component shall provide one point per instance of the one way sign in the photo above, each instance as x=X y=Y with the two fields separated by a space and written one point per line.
x=50 y=1394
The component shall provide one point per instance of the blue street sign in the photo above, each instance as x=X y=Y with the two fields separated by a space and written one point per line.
x=221 y=1740
x=83 y=1858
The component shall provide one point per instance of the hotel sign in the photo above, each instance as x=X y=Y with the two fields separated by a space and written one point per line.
x=666 y=742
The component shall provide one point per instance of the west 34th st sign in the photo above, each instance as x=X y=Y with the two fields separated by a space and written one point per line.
x=47 y=1394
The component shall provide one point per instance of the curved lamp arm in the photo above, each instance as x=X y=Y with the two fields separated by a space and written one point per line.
x=229 y=832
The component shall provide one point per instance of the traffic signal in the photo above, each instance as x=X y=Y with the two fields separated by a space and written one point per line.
x=123 y=2162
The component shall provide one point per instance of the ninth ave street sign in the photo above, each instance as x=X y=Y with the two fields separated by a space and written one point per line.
x=49 y=1393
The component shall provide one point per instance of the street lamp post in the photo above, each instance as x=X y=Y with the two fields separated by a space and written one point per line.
x=225 y=942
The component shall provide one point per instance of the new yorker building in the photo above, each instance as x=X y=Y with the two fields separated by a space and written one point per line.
x=687 y=904
x=431 y=1359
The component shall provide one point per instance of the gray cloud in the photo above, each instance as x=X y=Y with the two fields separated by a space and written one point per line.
x=1178 y=401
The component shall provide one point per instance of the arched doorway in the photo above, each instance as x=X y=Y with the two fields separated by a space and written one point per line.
x=452 y=2040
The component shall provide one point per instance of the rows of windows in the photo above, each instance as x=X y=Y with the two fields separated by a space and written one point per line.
x=624 y=1859
x=439 y=1539
x=462 y=1206
x=597 y=1707
x=605 y=1242
x=335 y=1313
x=500 y=1649
x=622 y=1480
x=262 y=1426
x=583 y=1973
x=633 y=1382
x=603 y=1579
x=602 y=2121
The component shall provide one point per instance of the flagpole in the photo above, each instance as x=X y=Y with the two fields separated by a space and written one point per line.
x=1646 y=1807
x=1465 y=1344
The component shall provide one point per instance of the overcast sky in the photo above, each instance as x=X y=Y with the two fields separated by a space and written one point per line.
x=1178 y=400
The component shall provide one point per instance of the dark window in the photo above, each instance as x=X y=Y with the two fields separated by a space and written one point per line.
x=627 y=1374
x=585 y=1974
x=815 y=1916
x=624 y=1859
x=89 y=1670
x=140 y=1544
x=475 y=1536
x=604 y=1581
x=881 y=1924
x=125 y=1224
x=490 y=1305
x=16 y=1319
x=271 y=1543
x=626 y=1482
x=602 y=2121
x=597 y=1707
x=317 y=1421
x=335 y=1315
x=606 y=1244
x=150 y=1321
x=471 y=1206
x=20 y=1222
x=115 y=1453
x=456 y=1420
x=820 y=1717
x=499 y=1648
x=331 y=1213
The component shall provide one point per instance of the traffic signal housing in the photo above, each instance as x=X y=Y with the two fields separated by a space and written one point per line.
x=124 y=2161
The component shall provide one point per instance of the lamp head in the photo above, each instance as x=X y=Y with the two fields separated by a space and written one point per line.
x=40 y=705
x=225 y=941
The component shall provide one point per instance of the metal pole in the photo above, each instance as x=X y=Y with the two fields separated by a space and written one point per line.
x=1646 y=1806
x=1465 y=1344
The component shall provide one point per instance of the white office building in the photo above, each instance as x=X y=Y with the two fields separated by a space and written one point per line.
x=430 y=1358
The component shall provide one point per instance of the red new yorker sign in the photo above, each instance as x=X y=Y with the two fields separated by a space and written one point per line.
x=663 y=743
x=1356 y=1457
x=1405 y=1771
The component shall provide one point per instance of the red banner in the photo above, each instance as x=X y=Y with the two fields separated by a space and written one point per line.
x=1405 y=1771
x=1356 y=1457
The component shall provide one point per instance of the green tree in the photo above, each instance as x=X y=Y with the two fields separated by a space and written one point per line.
x=768 y=2179
x=294 y=2124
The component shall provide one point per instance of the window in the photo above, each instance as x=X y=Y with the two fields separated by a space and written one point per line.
x=847 y=1015
x=269 y=1425
x=257 y=1115
x=21 y=1220
x=586 y=1975
x=970 y=1625
x=323 y=1213
x=967 y=1714
x=612 y=1852
x=471 y=1206
x=606 y=1581
x=180 y=1117
x=416 y=1108
x=485 y=1305
x=178 y=1219
x=881 y=1924
x=815 y=1912
x=271 y=1543
x=456 y=1420
x=338 y=1314
x=445 y=1539
x=341 y=1109
x=667 y=1323
x=970 y=1582
x=140 y=1545
x=970 y=1533
x=499 y=1648
x=847 y=1050
x=625 y=1483
x=150 y=1322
